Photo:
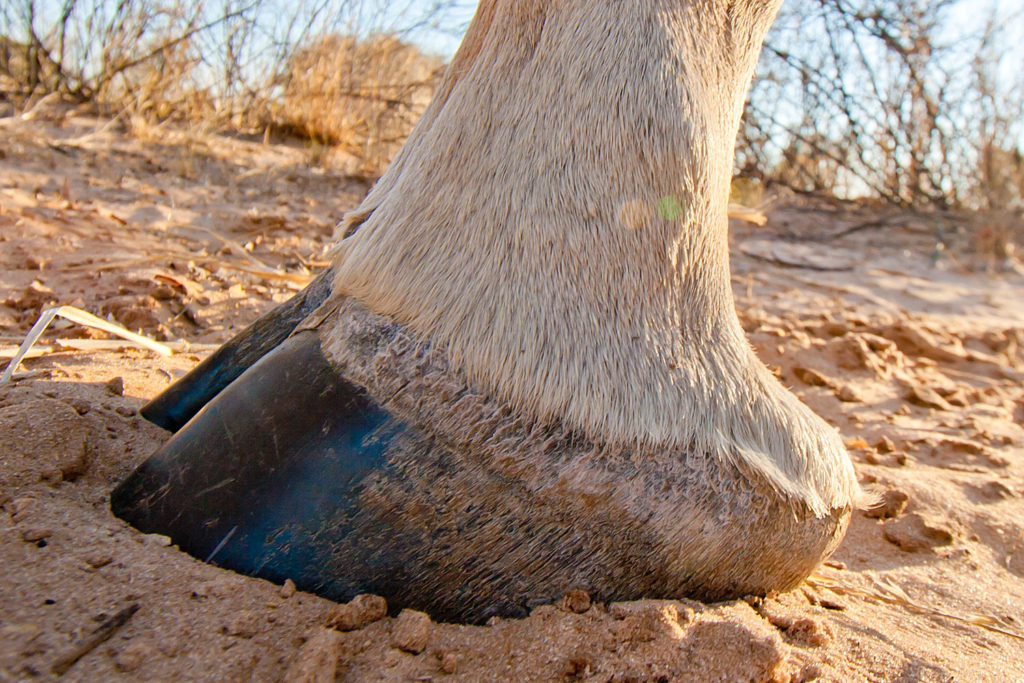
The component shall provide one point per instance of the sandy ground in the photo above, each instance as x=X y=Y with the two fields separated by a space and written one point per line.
x=915 y=354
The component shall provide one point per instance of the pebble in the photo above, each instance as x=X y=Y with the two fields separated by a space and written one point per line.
x=848 y=394
x=449 y=663
x=158 y=540
x=885 y=445
x=98 y=558
x=926 y=397
x=362 y=610
x=115 y=386
x=811 y=377
x=317 y=661
x=411 y=631
x=20 y=508
x=36 y=533
x=576 y=601
x=288 y=589
x=245 y=624
x=893 y=503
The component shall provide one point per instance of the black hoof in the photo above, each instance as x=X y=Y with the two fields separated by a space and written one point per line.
x=265 y=478
x=176 y=406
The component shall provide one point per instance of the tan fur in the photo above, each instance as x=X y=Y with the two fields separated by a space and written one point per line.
x=557 y=224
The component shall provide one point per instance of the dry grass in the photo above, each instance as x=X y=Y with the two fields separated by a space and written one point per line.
x=251 y=68
x=363 y=97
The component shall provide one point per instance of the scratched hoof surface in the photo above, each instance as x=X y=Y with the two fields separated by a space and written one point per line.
x=393 y=477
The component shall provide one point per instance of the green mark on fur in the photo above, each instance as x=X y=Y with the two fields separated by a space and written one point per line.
x=670 y=208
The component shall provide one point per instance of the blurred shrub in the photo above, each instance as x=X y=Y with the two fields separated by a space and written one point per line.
x=361 y=96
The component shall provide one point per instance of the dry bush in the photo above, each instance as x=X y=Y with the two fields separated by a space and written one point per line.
x=247 y=66
x=362 y=96
x=893 y=99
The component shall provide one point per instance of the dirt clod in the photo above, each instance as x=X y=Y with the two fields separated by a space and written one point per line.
x=848 y=394
x=20 y=509
x=894 y=502
x=916 y=531
x=245 y=624
x=811 y=377
x=317 y=660
x=42 y=439
x=98 y=558
x=809 y=632
x=576 y=601
x=34 y=534
x=449 y=663
x=885 y=445
x=361 y=610
x=926 y=397
x=411 y=631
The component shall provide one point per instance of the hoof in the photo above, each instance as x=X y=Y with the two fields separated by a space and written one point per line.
x=176 y=406
x=361 y=464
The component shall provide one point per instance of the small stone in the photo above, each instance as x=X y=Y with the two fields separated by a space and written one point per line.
x=134 y=655
x=288 y=589
x=811 y=377
x=958 y=398
x=158 y=540
x=835 y=564
x=115 y=386
x=34 y=534
x=98 y=558
x=885 y=445
x=361 y=610
x=575 y=601
x=916 y=532
x=848 y=394
x=245 y=624
x=450 y=663
x=894 y=502
x=926 y=397
x=317 y=661
x=832 y=604
x=411 y=631
x=20 y=509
